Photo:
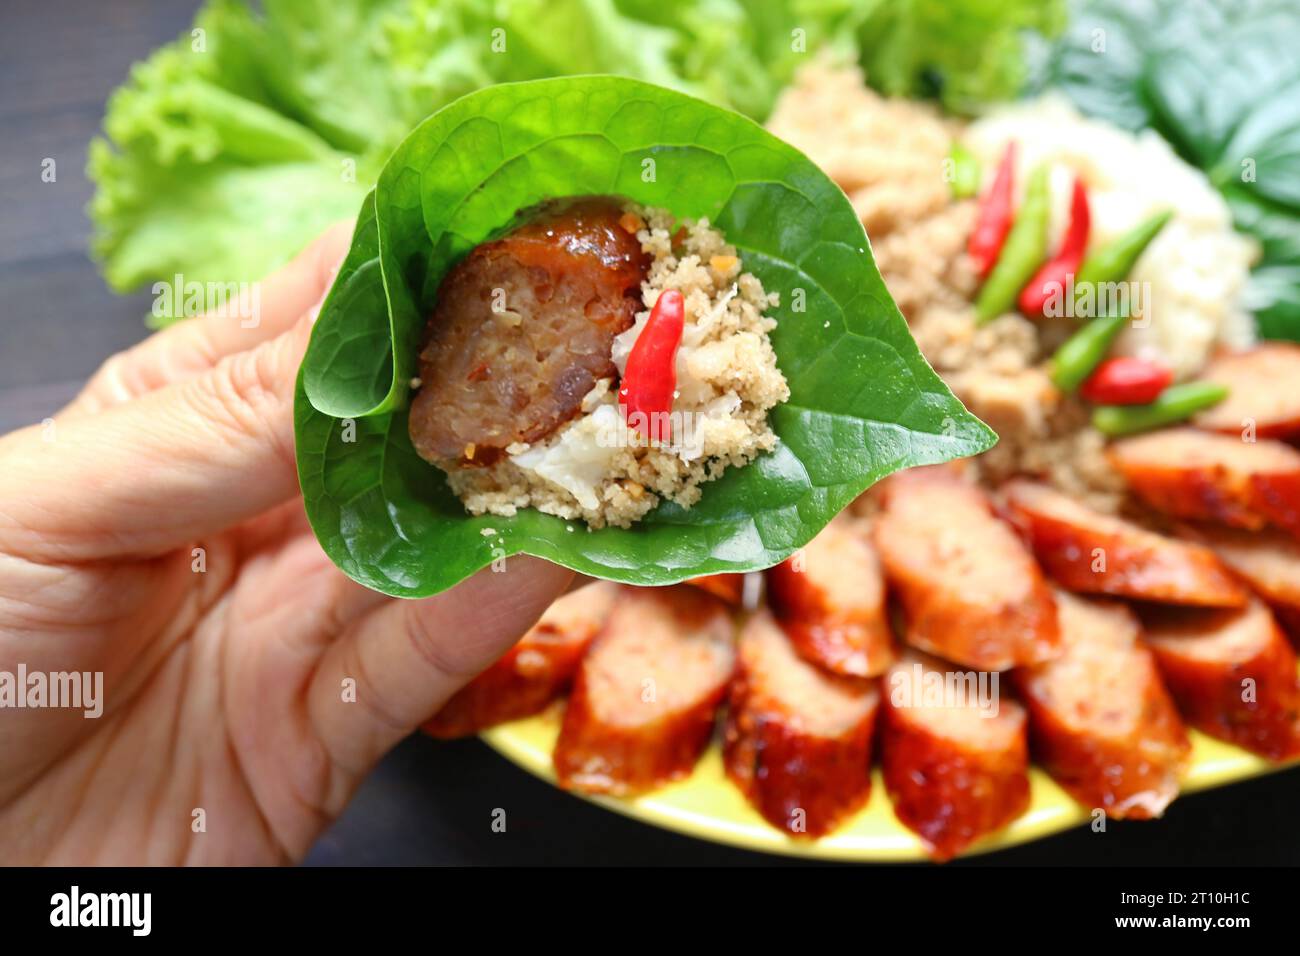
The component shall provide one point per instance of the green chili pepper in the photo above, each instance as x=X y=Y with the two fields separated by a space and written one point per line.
x=965 y=180
x=1114 y=261
x=1022 y=253
x=1083 y=351
x=1175 y=404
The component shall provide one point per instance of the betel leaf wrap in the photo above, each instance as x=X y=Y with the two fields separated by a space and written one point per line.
x=863 y=402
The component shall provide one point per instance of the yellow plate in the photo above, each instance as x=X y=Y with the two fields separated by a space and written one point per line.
x=708 y=806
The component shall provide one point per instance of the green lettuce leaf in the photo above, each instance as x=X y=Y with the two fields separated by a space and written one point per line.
x=1219 y=79
x=966 y=54
x=863 y=403
x=229 y=149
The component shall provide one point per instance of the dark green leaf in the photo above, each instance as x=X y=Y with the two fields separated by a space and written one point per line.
x=1220 y=79
x=863 y=401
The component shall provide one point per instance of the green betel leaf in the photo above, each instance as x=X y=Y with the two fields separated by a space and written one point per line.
x=863 y=402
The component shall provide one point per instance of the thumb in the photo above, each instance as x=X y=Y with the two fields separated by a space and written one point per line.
x=174 y=465
x=404 y=659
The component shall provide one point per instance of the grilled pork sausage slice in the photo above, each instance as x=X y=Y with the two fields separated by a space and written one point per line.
x=646 y=692
x=1100 y=720
x=1232 y=674
x=1263 y=391
x=955 y=771
x=798 y=739
x=532 y=673
x=1197 y=475
x=969 y=590
x=729 y=587
x=1085 y=550
x=1268 y=560
x=830 y=600
x=522 y=330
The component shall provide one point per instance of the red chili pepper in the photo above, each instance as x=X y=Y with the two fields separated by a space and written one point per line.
x=1051 y=278
x=995 y=215
x=1126 y=381
x=650 y=379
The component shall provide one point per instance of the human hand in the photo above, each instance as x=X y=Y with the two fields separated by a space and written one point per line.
x=152 y=531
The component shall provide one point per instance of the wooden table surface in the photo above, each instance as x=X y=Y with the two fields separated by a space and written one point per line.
x=428 y=802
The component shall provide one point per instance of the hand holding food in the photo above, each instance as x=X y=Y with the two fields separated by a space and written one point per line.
x=246 y=686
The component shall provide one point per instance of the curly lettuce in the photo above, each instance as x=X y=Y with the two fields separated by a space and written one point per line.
x=227 y=150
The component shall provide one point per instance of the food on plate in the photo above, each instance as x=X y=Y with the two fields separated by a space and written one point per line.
x=996 y=211
x=1263 y=392
x=534 y=672
x=1267 y=560
x=1021 y=253
x=798 y=739
x=1100 y=720
x=1096 y=553
x=647 y=691
x=830 y=600
x=969 y=589
x=954 y=766
x=547 y=380
x=1233 y=675
x=1162 y=278
x=1126 y=380
x=1188 y=473
x=1175 y=404
x=1054 y=274
x=729 y=587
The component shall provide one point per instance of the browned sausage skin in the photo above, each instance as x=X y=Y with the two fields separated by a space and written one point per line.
x=1232 y=673
x=954 y=771
x=798 y=739
x=1100 y=720
x=1086 y=550
x=534 y=672
x=969 y=589
x=1197 y=475
x=832 y=602
x=1263 y=391
x=522 y=330
x=647 y=691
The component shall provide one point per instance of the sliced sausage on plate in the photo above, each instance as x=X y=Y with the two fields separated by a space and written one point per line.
x=1232 y=674
x=830 y=599
x=798 y=739
x=955 y=767
x=1268 y=560
x=729 y=587
x=969 y=589
x=1188 y=473
x=647 y=691
x=534 y=672
x=1100 y=720
x=1095 y=553
x=1263 y=392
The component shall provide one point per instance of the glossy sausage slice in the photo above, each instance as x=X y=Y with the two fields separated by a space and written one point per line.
x=1232 y=674
x=955 y=770
x=969 y=589
x=798 y=739
x=1197 y=475
x=522 y=329
x=830 y=599
x=1263 y=390
x=1100 y=720
x=1085 y=550
x=532 y=673
x=1268 y=560
x=647 y=691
